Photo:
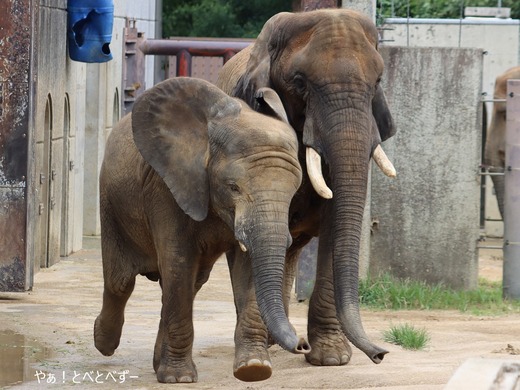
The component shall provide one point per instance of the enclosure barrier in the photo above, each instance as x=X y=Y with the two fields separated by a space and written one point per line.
x=484 y=171
x=184 y=50
x=511 y=271
x=137 y=47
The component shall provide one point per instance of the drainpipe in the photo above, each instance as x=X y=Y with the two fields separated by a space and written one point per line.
x=511 y=271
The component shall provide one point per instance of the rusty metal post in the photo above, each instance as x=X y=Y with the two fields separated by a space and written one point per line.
x=184 y=63
x=133 y=66
x=511 y=270
x=227 y=55
x=17 y=94
x=309 y=5
x=368 y=7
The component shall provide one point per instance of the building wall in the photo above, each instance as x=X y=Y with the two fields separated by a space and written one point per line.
x=76 y=107
x=58 y=127
x=500 y=41
x=104 y=92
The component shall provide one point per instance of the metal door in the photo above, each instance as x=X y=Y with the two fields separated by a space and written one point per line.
x=49 y=160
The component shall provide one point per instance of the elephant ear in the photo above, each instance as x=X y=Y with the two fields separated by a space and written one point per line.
x=271 y=104
x=382 y=115
x=170 y=127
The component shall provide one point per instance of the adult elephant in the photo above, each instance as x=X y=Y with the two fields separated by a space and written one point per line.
x=326 y=68
x=495 y=149
x=188 y=174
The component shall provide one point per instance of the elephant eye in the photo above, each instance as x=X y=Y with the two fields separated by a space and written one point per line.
x=299 y=83
x=234 y=187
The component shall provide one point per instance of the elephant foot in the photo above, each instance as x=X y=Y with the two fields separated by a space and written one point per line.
x=180 y=373
x=252 y=366
x=106 y=338
x=329 y=349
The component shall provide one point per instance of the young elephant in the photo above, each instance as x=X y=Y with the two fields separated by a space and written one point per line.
x=187 y=175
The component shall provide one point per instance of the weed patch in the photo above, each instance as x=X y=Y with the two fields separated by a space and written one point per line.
x=407 y=336
x=387 y=292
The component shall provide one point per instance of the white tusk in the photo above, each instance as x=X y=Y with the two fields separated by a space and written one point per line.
x=314 y=170
x=383 y=162
x=242 y=246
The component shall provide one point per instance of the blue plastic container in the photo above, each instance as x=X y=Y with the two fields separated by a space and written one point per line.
x=89 y=29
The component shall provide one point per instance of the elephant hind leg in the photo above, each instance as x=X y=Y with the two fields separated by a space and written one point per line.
x=119 y=281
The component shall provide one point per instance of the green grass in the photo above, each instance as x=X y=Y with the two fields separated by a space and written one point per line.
x=388 y=293
x=407 y=336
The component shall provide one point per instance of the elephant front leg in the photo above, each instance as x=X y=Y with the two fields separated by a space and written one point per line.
x=252 y=362
x=173 y=360
x=329 y=345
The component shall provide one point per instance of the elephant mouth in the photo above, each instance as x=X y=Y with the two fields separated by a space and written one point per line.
x=313 y=160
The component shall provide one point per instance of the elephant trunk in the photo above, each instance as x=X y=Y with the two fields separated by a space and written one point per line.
x=266 y=242
x=349 y=163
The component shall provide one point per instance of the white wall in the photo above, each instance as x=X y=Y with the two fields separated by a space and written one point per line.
x=104 y=92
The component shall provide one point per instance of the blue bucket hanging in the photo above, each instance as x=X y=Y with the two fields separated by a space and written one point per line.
x=89 y=30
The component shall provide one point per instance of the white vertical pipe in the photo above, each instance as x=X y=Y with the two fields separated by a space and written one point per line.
x=511 y=271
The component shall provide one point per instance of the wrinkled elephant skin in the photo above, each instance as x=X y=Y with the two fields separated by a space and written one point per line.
x=325 y=66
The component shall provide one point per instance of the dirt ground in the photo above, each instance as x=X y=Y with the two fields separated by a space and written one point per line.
x=53 y=326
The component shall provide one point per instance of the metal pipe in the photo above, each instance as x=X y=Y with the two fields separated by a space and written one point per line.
x=491 y=173
x=493 y=100
x=205 y=47
x=490 y=247
x=511 y=270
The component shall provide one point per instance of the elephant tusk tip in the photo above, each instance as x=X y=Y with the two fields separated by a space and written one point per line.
x=242 y=247
x=326 y=194
x=313 y=160
x=383 y=162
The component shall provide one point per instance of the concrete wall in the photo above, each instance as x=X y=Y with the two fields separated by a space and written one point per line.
x=425 y=223
x=499 y=38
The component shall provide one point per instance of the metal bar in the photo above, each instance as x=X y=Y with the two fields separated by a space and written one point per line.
x=208 y=48
x=491 y=173
x=489 y=247
x=493 y=100
x=511 y=268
